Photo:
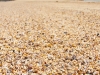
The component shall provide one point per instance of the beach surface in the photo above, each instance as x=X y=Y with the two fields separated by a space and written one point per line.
x=49 y=38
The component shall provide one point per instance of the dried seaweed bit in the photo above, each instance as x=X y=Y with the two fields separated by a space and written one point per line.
x=90 y=58
x=46 y=65
x=98 y=34
x=30 y=43
x=29 y=68
x=25 y=57
x=36 y=45
x=13 y=51
x=66 y=58
x=60 y=42
x=56 y=1
x=42 y=33
x=83 y=63
x=78 y=43
x=65 y=33
x=2 y=38
x=90 y=73
x=73 y=57
x=35 y=71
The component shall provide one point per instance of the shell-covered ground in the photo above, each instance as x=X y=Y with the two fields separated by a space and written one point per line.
x=49 y=38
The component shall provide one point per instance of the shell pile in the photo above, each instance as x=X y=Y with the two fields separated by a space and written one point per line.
x=49 y=38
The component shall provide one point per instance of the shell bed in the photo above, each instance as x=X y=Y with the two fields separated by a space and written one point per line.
x=49 y=38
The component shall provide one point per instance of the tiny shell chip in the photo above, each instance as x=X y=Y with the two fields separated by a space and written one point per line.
x=0 y=70
x=0 y=64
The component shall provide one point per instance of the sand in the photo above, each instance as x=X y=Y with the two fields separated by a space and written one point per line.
x=49 y=38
